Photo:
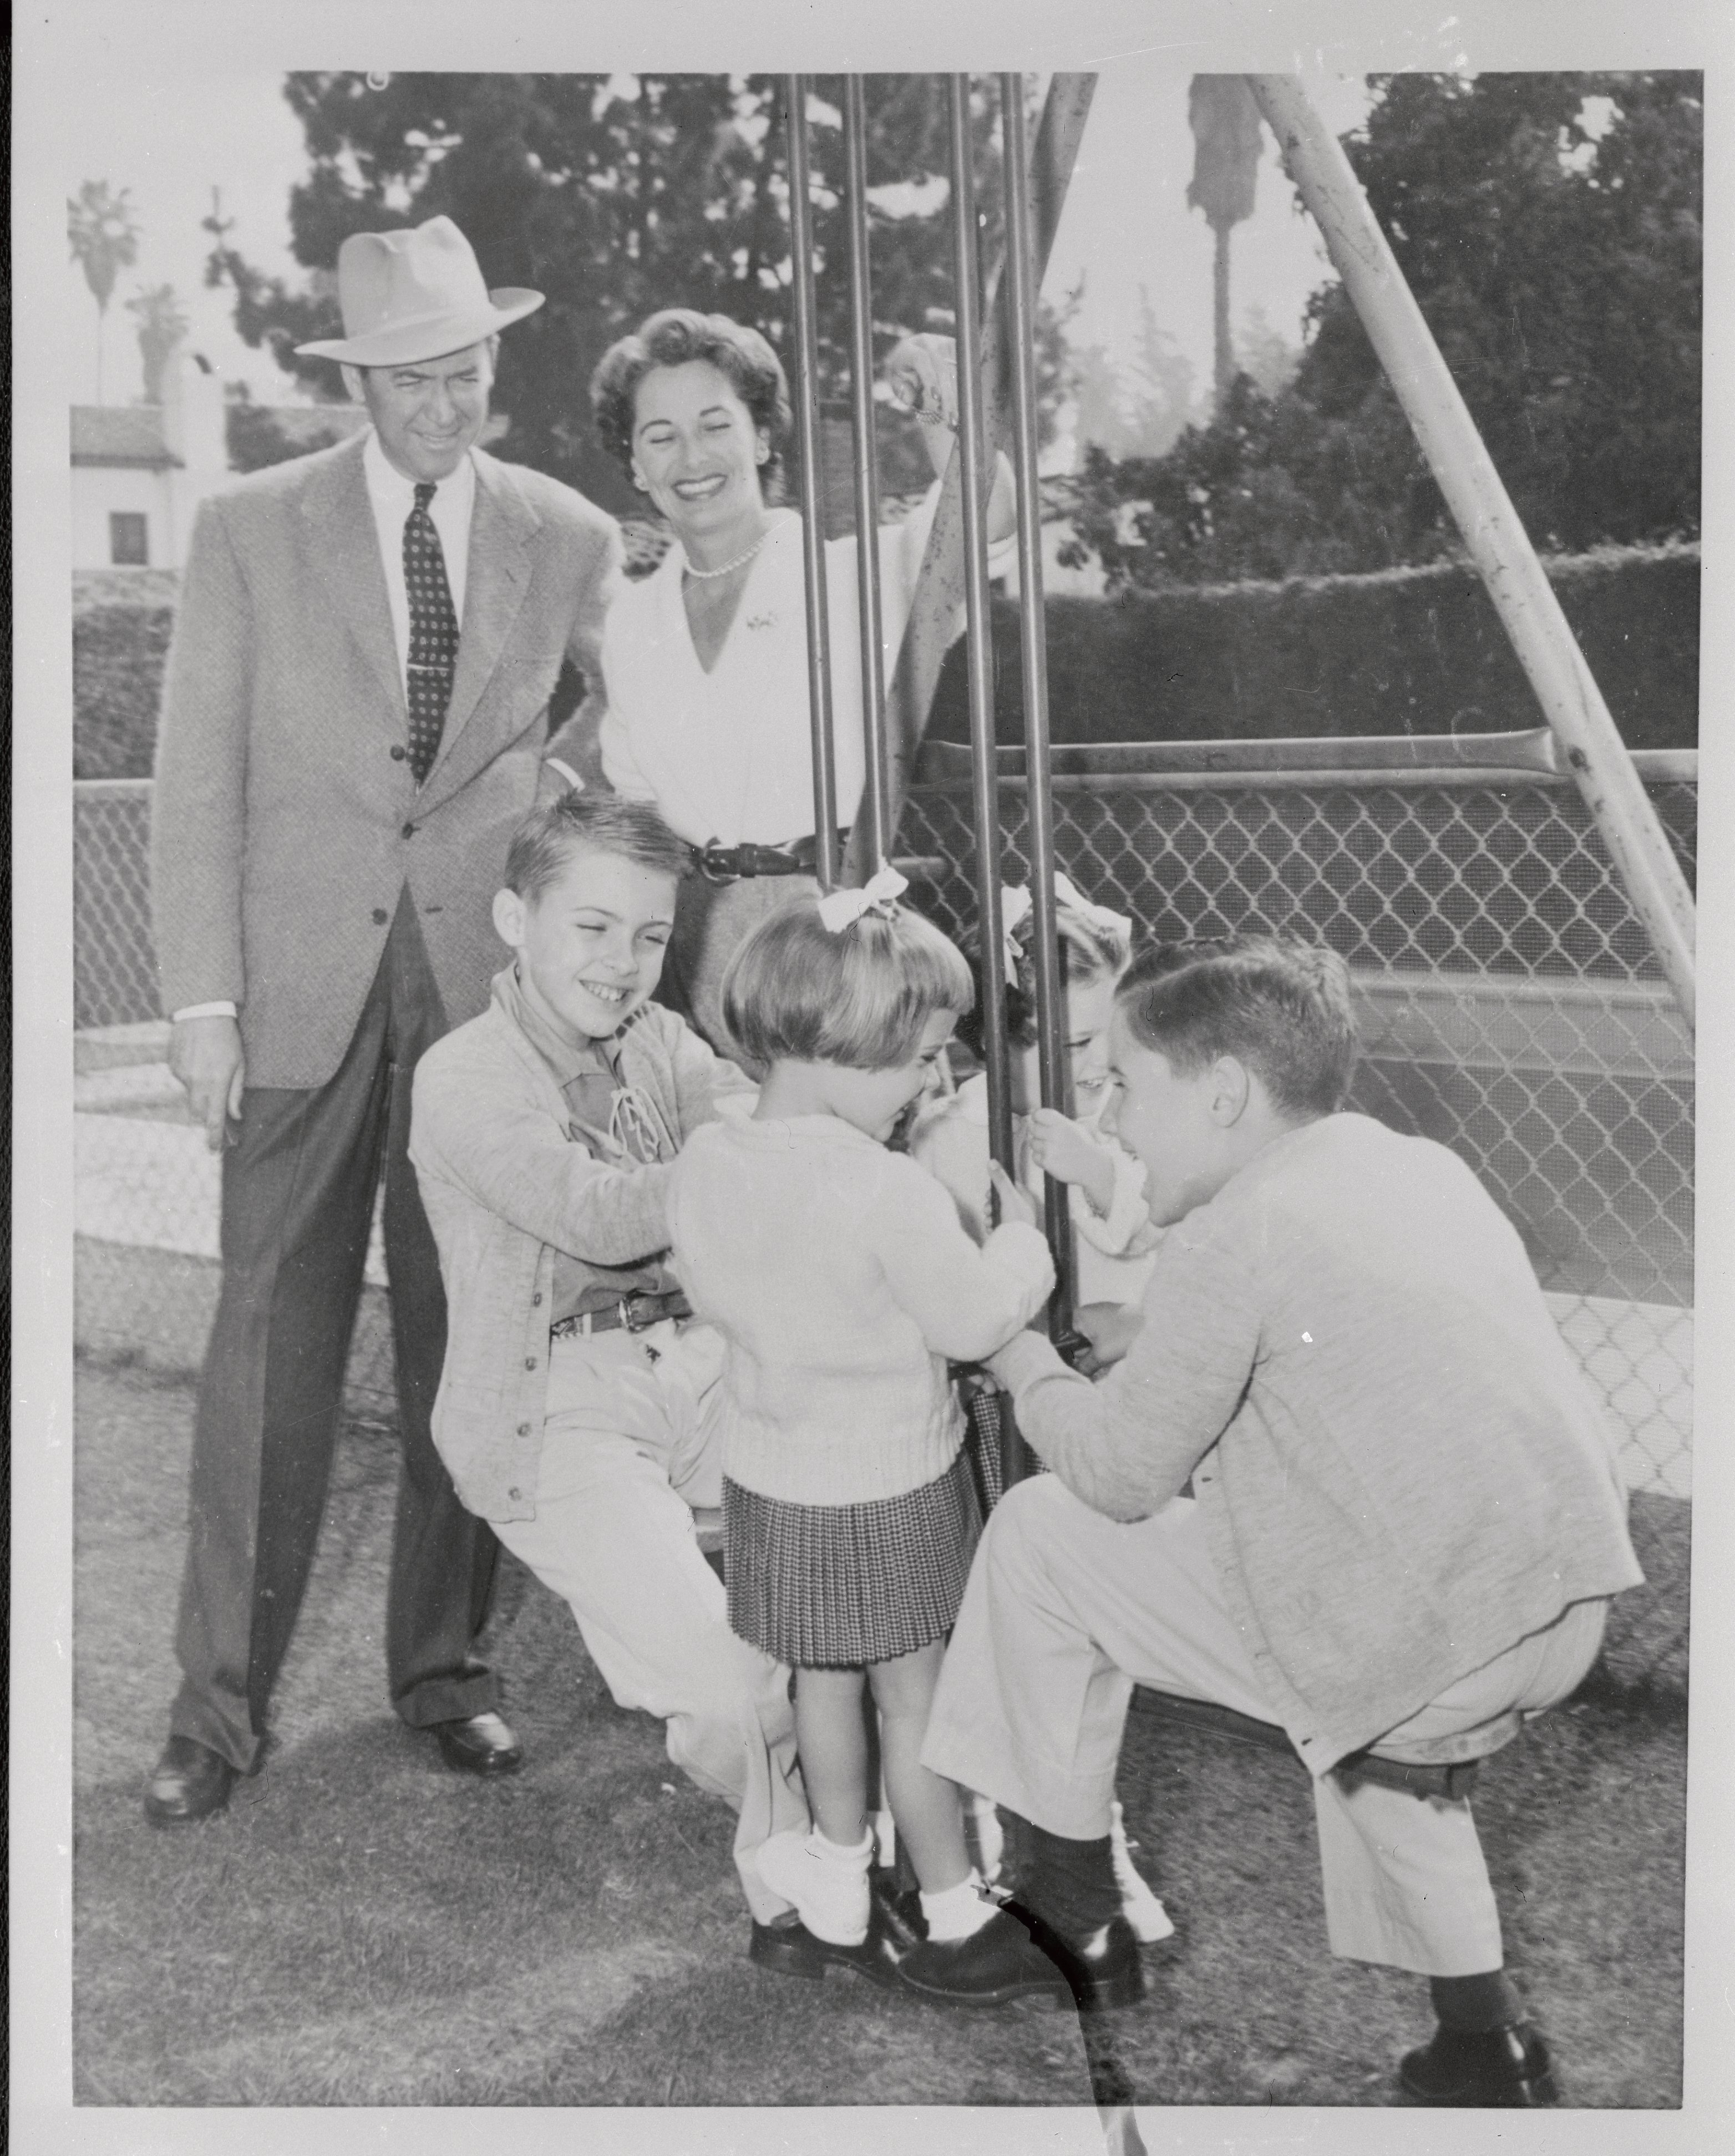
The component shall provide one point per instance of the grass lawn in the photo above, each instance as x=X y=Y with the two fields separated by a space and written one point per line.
x=364 y=1928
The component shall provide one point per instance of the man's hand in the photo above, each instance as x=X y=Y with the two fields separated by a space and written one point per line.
x=1061 y=1148
x=205 y=1055
x=1109 y=1328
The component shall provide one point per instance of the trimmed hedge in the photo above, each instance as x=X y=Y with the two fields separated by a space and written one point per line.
x=1406 y=651
x=1417 y=651
x=118 y=651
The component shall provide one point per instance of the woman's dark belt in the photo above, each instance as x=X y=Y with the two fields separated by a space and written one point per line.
x=731 y=863
x=630 y=1313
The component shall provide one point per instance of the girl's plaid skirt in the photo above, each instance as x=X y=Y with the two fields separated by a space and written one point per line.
x=836 y=1586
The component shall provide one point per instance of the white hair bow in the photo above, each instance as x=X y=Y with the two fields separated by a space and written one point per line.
x=1015 y=911
x=1015 y=906
x=879 y=894
x=1104 y=916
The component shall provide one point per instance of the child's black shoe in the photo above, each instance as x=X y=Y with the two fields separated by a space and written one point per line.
x=894 y=1927
x=1484 y=2069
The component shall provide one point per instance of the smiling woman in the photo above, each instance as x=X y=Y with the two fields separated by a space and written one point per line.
x=706 y=661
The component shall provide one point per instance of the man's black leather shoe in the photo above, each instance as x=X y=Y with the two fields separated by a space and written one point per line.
x=991 y=1968
x=479 y=1744
x=190 y=1783
x=1489 y=2070
x=895 y=1927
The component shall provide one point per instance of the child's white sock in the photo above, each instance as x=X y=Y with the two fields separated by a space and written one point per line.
x=958 y=1912
x=1143 y=1912
x=982 y=1826
x=825 y=1881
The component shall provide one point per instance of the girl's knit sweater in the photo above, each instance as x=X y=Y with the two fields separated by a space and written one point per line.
x=843 y=1281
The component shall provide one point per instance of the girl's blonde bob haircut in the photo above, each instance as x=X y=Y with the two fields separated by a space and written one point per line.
x=798 y=992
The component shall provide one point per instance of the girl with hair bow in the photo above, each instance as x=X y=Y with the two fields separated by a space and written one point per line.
x=839 y=1274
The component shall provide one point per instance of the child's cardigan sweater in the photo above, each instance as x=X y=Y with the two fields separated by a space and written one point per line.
x=840 y=1276
x=504 y=1186
x=1400 y=1471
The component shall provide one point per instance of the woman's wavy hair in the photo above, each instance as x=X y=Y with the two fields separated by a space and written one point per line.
x=1281 y=1009
x=672 y=338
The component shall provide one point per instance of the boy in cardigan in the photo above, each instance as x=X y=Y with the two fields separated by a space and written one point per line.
x=1406 y=1522
x=573 y=1408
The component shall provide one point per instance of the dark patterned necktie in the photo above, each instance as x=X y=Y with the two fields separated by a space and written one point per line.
x=433 y=633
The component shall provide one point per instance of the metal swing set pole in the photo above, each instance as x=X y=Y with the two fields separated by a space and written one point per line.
x=995 y=370
x=812 y=528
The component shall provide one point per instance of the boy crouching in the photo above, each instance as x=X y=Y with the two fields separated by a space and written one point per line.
x=572 y=1412
x=1405 y=1524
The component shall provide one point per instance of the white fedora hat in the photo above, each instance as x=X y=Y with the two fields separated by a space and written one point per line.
x=415 y=295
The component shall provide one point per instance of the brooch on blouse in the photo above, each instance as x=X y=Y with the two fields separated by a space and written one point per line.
x=761 y=621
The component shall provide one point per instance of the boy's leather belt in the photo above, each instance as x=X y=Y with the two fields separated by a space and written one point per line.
x=630 y=1313
x=730 y=864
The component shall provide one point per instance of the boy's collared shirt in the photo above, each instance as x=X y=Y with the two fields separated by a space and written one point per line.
x=591 y=1082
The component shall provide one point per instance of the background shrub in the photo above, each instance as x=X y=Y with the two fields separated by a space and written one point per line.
x=118 y=650
x=1416 y=651
x=1400 y=651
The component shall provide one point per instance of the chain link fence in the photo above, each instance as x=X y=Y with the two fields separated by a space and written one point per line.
x=145 y=1210
x=1508 y=1002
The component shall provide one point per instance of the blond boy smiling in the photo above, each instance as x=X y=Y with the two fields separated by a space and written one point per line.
x=575 y=1410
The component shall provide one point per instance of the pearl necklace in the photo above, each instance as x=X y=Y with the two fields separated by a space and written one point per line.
x=728 y=568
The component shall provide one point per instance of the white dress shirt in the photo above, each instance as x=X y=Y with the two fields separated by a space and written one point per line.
x=728 y=754
x=392 y=497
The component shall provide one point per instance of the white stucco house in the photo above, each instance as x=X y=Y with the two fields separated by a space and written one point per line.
x=140 y=470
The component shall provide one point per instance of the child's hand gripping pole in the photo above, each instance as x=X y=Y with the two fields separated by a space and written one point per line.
x=1007 y=1202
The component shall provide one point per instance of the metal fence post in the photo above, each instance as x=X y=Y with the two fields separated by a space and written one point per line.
x=812 y=526
x=1497 y=540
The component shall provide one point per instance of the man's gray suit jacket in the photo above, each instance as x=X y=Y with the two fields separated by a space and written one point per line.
x=284 y=826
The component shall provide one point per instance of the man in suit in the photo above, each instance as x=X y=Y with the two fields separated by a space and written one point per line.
x=355 y=721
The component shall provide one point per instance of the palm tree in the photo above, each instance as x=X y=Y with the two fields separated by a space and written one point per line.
x=1224 y=120
x=161 y=327
x=104 y=236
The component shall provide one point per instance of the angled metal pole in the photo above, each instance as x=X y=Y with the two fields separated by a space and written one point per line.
x=875 y=811
x=812 y=526
x=940 y=588
x=1033 y=645
x=985 y=791
x=1564 y=686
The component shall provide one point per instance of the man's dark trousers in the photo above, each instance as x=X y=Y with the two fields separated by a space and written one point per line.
x=298 y=1192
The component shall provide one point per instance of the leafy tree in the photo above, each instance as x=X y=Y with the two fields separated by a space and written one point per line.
x=1135 y=411
x=104 y=236
x=1266 y=355
x=615 y=196
x=1557 y=260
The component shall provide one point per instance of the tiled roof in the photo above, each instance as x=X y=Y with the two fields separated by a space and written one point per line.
x=120 y=434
